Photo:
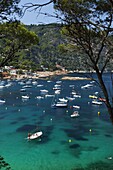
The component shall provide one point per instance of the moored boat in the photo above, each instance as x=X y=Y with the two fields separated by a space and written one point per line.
x=25 y=97
x=59 y=104
x=76 y=107
x=75 y=114
x=63 y=100
x=93 y=96
x=35 y=135
x=96 y=102
x=2 y=101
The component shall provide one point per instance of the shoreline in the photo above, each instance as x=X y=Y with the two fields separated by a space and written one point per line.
x=48 y=74
x=37 y=75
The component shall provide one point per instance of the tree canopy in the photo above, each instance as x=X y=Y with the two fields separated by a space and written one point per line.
x=8 y=8
x=15 y=37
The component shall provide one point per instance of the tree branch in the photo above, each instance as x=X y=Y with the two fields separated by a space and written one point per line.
x=35 y=6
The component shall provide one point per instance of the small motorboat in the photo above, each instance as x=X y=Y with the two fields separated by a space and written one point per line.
x=96 y=102
x=57 y=91
x=86 y=86
x=77 y=95
x=70 y=98
x=75 y=114
x=49 y=95
x=44 y=91
x=2 y=101
x=93 y=97
x=34 y=136
x=25 y=97
x=76 y=107
x=22 y=90
x=63 y=100
x=39 y=97
x=59 y=104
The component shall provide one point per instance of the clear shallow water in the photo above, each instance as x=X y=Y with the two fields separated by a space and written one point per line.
x=67 y=143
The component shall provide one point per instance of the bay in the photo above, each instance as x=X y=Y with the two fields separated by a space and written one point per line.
x=67 y=143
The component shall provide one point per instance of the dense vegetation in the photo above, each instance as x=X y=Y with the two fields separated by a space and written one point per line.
x=49 y=52
x=14 y=39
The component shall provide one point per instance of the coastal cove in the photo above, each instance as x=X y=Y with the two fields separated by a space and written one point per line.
x=78 y=143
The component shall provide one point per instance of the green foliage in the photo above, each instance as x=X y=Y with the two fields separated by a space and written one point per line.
x=88 y=25
x=15 y=38
x=51 y=49
x=7 y=8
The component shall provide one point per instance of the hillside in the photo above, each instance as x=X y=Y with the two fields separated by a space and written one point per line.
x=46 y=54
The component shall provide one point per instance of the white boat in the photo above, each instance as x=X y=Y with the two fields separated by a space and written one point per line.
x=25 y=97
x=76 y=107
x=44 y=91
x=58 y=81
x=22 y=90
x=77 y=95
x=71 y=85
x=96 y=102
x=27 y=86
x=34 y=82
x=59 y=104
x=39 y=97
x=34 y=136
x=73 y=93
x=2 y=101
x=2 y=86
x=8 y=85
x=86 y=86
x=57 y=85
x=57 y=91
x=21 y=83
x=63 y=100
x=75 y=114
x=56 y=88
x=70 y=98
x=49 y=95
x=40 y=85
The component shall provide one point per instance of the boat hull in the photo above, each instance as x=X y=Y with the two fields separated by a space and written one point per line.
x=34 y=136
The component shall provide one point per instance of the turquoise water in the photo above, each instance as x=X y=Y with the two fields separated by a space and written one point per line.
x=67 y=143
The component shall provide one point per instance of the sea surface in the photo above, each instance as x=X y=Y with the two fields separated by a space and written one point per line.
x=78 y=143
